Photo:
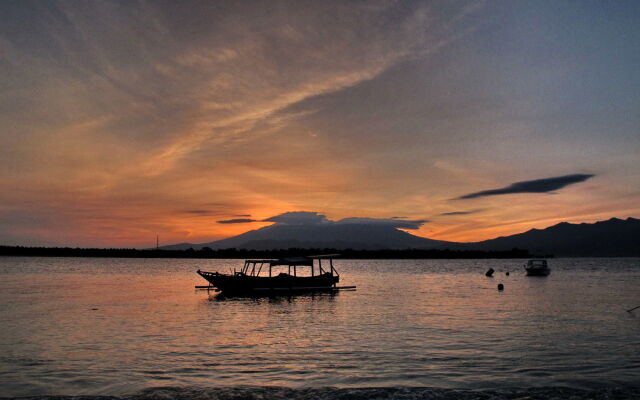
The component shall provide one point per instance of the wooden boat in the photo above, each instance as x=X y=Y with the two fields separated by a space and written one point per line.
x=537 y=268
x=250 y=281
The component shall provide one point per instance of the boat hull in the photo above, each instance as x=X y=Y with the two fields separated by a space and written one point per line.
x=538 y=272
x=282 y=283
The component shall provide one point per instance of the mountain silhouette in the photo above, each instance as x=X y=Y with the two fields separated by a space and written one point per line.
x=611 y=238
x=335 y=236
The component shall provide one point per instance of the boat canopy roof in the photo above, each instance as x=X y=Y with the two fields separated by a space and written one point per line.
x=293 y=261
x=323 y=256
x=260 y=261
x=308 y=260
x=304 y=261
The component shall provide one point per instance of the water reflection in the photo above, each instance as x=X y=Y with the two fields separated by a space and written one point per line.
x=275 y=298
x=116 y=326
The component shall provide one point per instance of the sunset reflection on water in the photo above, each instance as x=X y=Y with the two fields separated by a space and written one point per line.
x=108 y=326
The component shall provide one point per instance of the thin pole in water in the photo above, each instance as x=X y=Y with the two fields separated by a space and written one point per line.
x=633 y=309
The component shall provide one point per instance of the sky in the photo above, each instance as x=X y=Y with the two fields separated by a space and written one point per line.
x=200 y=120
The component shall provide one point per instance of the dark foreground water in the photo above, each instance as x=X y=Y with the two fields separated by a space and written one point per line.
x=413 y=329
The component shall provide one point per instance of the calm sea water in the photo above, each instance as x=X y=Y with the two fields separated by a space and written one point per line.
x=80 y=326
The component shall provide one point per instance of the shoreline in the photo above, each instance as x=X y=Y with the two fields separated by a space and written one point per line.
x=206 y=253
x=232 y=253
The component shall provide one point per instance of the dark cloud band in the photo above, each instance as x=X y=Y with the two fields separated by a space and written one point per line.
x=298 y=218
x=459 y=213
x=236 y=221
x=535 y=186
x=315 y=218
x=392 y=222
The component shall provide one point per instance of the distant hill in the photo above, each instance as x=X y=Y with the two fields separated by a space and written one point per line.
x=612 y=238
x=335 y=236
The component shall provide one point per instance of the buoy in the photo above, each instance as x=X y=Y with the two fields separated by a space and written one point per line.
x=507 y=273
x=500 y=286
x=490 y=272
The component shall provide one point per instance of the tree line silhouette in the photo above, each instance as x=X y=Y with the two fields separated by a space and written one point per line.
x=207 y=252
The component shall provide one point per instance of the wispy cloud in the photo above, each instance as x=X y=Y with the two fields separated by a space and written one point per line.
x=290 y=61
x=544 y=185
x=179 y=103
x=121 y=120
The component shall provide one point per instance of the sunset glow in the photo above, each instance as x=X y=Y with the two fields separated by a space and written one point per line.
x=122 y=121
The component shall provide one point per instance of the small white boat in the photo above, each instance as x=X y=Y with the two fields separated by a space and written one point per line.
x=537 y=268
